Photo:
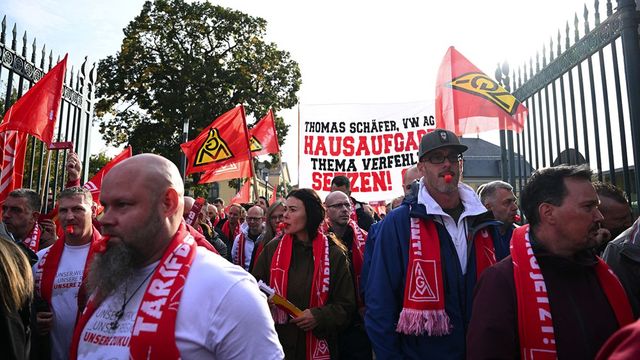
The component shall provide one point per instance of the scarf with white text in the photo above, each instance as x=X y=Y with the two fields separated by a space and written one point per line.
x=535 y=325
x=423 y=307
x=153 y=333
x=317 y=349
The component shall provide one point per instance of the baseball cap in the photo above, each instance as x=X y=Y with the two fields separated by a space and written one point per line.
x=439 y=138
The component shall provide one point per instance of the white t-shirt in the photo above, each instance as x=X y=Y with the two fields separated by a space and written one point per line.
x=459 y=231
x=64 y=296
x=222 y=315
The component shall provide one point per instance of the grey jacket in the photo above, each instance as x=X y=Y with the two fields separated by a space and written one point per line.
x=623 y=256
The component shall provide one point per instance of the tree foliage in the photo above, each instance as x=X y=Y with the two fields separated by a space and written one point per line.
x=189 y=60
x=97 y=162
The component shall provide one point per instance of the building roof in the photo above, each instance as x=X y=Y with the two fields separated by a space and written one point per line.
x=483 y=160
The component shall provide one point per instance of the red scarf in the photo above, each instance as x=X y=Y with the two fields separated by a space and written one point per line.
x=151 y=337
x=239 y=259
x=353 y=215
x=225 y=231
x=192 y=216
x=535 y=326
x=357 y=254
x=48 y=268
x=423 y=307
x=317 y=349
x=33 y=240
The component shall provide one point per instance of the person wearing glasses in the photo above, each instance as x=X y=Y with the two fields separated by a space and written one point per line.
x=342 y=183
x=432 y=249
x=251 y=233
x=353 y=342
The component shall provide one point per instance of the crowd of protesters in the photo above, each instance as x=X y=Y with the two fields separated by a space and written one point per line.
x=446 y=272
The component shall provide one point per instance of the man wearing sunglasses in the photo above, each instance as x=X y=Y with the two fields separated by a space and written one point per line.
x=432 y=249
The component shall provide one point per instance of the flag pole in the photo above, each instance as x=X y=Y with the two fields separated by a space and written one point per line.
x=284 y=180
x=255 y=179
x=43 y=187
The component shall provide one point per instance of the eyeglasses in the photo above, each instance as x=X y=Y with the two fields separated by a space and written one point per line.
x=345 y=205
x=439 y=158
x=254 y=219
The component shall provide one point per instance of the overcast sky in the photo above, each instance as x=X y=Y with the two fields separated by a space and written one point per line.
x=348 y=51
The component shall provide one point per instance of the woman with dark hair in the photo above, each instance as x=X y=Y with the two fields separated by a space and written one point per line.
x=275 y=215
x=16 y=293
x=310 y=270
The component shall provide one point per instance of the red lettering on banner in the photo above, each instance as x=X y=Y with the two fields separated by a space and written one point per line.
x=363 y=149
x=321 y=145
x=320 y=148
x=335 y=146
x=398 y=140
x=348 y=145
x=308 y=145
x=388 y=141
x=368 y=181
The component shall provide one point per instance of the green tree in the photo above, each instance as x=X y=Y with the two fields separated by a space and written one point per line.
x=189 y=60
x=97 y=162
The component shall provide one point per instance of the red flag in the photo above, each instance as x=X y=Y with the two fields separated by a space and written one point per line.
x=231 y=171
x=224 y=142
x=274 y=196
x=244 y=195
x=95 y=184
x=14 y=145
x=468 y=101
x=36 y=111
x=262 y=136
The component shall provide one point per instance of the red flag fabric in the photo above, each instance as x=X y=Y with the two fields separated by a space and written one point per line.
x=14 y=146
x=224 y=142
x=468 y=101
x=274 y=196
x=95 y=184
x=244 y=195
x=241 y=169
x=36 y=111
x=262 y=136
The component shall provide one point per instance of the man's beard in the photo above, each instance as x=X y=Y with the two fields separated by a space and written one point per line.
x=110 y=269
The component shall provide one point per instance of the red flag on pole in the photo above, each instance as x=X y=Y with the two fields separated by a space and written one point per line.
x=95 y=184
x=262 y=136
x=232 y=171
x=468 y=101
x=224 y=142
x=14 y=145
x=36 y=111
x=274 y=196
x=243 y=196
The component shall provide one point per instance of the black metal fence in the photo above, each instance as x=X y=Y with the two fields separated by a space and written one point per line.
x=20 y=69
x=583 y=96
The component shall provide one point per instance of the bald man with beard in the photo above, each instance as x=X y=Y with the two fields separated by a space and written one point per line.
x=153 y=295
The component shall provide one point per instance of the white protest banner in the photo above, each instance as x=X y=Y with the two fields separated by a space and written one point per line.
x=371 y=144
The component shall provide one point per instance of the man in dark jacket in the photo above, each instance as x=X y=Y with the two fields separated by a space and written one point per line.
x=425 y=264
x=353 y=342
x=552 y=296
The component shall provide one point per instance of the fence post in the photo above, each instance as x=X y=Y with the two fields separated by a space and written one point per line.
x=631 y=51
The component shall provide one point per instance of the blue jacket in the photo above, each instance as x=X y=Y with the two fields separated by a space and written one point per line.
x=368 y=254
x=386 y=281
